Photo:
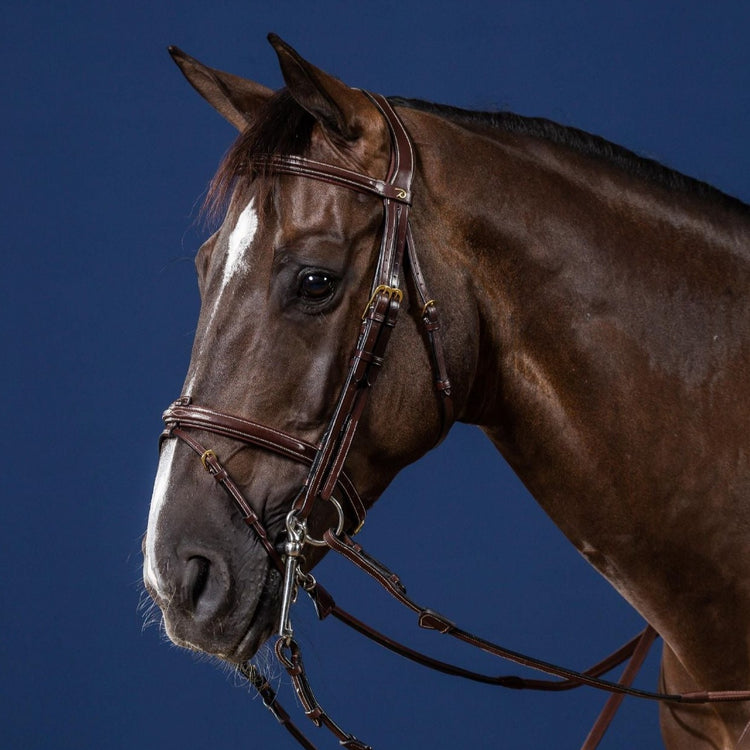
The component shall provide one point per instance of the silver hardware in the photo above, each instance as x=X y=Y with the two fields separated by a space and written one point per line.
x=339 y=527
x=293 y=552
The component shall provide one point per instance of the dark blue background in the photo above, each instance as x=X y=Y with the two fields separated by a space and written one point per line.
x=105 y=153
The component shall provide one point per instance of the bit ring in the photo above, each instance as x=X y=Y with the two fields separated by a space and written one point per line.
x=319 y=542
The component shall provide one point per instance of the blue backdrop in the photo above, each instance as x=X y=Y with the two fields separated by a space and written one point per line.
x=106 y=152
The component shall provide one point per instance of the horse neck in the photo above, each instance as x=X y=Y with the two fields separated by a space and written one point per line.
x=599 y=332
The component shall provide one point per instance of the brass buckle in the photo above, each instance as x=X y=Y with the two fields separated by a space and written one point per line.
x=205 y=456
x=391 y=291
x=429 y=303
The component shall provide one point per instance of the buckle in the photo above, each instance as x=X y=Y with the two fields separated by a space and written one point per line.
x=390 y=291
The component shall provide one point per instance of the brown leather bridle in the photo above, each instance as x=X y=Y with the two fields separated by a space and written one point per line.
x=328 y=482
x=378 y=320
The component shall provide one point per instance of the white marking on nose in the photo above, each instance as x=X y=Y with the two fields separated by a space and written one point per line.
x=161 y=487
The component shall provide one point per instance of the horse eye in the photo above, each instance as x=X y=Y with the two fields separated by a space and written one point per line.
x=316 y=286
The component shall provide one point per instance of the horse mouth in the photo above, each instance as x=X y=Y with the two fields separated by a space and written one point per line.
x=263 y=621
x=217 y=635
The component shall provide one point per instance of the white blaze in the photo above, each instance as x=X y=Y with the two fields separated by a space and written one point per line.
x=235 y=261
x=161 y=487
x=239 y=241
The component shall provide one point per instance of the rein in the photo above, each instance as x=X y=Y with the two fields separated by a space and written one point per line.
x=327 y=481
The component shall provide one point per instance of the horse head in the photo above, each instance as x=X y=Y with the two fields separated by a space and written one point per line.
x=284 y=283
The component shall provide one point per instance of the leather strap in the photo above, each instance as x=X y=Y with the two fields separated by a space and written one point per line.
x=326 y=606
x=431 y=323
x=381 y=312
x=300 y=166
x=270 y=701
x=212 y=465
x=290 y=657
x=182 y=415
x=431 y=620
x=643 y=645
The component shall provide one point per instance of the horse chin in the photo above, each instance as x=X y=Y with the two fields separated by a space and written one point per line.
x=262 y=624
x=236 y=637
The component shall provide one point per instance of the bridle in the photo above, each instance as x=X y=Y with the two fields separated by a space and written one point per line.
x=327 y=482
x=327 y=460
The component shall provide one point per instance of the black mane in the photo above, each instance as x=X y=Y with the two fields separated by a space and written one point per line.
x=577 y=140
x=283 y=127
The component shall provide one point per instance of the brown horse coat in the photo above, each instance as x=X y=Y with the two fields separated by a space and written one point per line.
x=596 y=317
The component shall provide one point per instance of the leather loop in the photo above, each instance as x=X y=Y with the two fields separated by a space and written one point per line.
x=430 y=620
x=322 y=601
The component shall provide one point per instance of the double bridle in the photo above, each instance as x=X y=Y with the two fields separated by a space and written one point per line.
x=327 y=482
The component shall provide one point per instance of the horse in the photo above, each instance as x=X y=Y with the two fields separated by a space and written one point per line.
x=588 y=311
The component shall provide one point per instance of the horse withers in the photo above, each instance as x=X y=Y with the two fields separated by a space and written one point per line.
x=594 y=322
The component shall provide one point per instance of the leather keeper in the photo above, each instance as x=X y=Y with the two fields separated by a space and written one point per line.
x=430 y=620
x=322 y=601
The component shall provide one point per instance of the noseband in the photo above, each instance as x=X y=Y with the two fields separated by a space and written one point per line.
x=328 y=482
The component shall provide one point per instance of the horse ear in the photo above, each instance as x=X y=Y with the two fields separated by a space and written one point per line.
x=343 y=111
x=232 y=97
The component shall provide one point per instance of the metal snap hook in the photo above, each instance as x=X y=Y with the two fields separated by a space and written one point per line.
x=293 y=555
x=296 y=528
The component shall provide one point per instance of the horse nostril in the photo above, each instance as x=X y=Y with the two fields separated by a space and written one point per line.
x=195 y=579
